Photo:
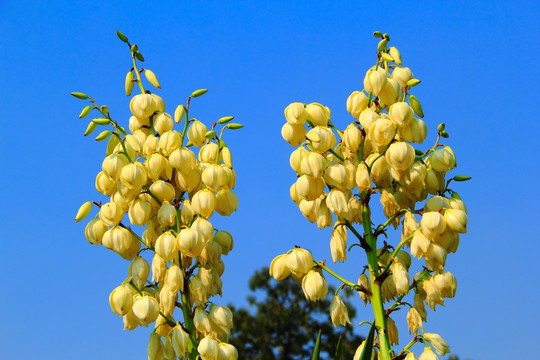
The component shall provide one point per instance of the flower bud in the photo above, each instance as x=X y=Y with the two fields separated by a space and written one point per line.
x=133 y=176
x=208 y=348
x=221 y=317
x=308 y=209
x=155 y=347
x=183 y=159
x=363 y=281
x=395 y=54
x=146 y=309
x=317 y=114
x=433 y=224
x=180 y=341
x=415 y=131
x=382 y=131
x=324 y=217
x=196 y=133
x=356 y=103
x=336 y=176
x=197 y=291
x=200 y=319
x=163 y=191
x=393 y=336
x=375 y=80
x=434 y=181
x=166 y=215
x=309 y=188
x=440 y=346
x=278 y=268
x=400 y=155
x=139 y=270
x=293 y=134
x=165 y=246
x=227 y=352
x=338 y=243
x=208 y=153
x=379 y=169
x=159 y=268
x=225 y=240
x=94 y=231
x=160 y=104
x=104 y=184
x=446 y=283
x=338 y=312
x=456 y=220
x=111 y=213
x=435 y=257
x=142 y=105
x=296 y=157
x=214 y=177
x=226 y=202
x=338 y=203
x=402 y=75
x=295 y=114
x=443 y=160
x=428 y=354
x=203 y=203
x=414 y=321
x=121 y=300
x=401 y=278
x=299 y=261
x=164 y=123
x=189 y=242
x=174 y=278
x=139 y=212
x=419 y=244
x=322 y=139
x=400 y=113
x=391 y=93
x=189 y=181
x=352 y=137
x=313 y=164
x=113 y=164
x=367 y=117
x=363 y=180
x=117 y=239
x=204 y=228
x=150 y=145
x=169 y=142
x=314 y=285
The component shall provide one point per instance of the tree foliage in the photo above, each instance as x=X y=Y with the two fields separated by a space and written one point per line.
x=280 y=324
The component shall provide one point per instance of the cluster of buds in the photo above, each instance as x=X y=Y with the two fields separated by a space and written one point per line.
x=171 y=192
x=376 y=154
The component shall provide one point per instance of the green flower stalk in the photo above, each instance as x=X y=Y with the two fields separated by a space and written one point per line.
x=170 y=194
x=339 y=173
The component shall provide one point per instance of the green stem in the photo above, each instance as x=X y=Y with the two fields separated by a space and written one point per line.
x=409 y=345
x=123 y=147
x=185 y=126
x=396 y=250
x=336 y=154
x=324 y=267
x=384 y=151
x=376 y=297
x=433 y=148
x=147 y=188
x=188 y=321
x=389 y=221
x=139 y=82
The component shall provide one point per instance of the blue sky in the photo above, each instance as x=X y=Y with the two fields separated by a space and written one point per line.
x=477 y=63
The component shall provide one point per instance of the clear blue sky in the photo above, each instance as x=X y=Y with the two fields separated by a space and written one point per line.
x=478 y=64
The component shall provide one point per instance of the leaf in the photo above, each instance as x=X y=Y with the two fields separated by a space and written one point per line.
x=339 y=350
x=79 y=95
x=368 y=347
x=317 y=348
x=121 y=36
x=198 y=93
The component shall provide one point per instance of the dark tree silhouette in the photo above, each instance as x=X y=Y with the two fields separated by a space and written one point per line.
x=280 y=324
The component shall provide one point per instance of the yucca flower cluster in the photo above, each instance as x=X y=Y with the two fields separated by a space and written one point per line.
x=156 y=183
x=339 y=171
